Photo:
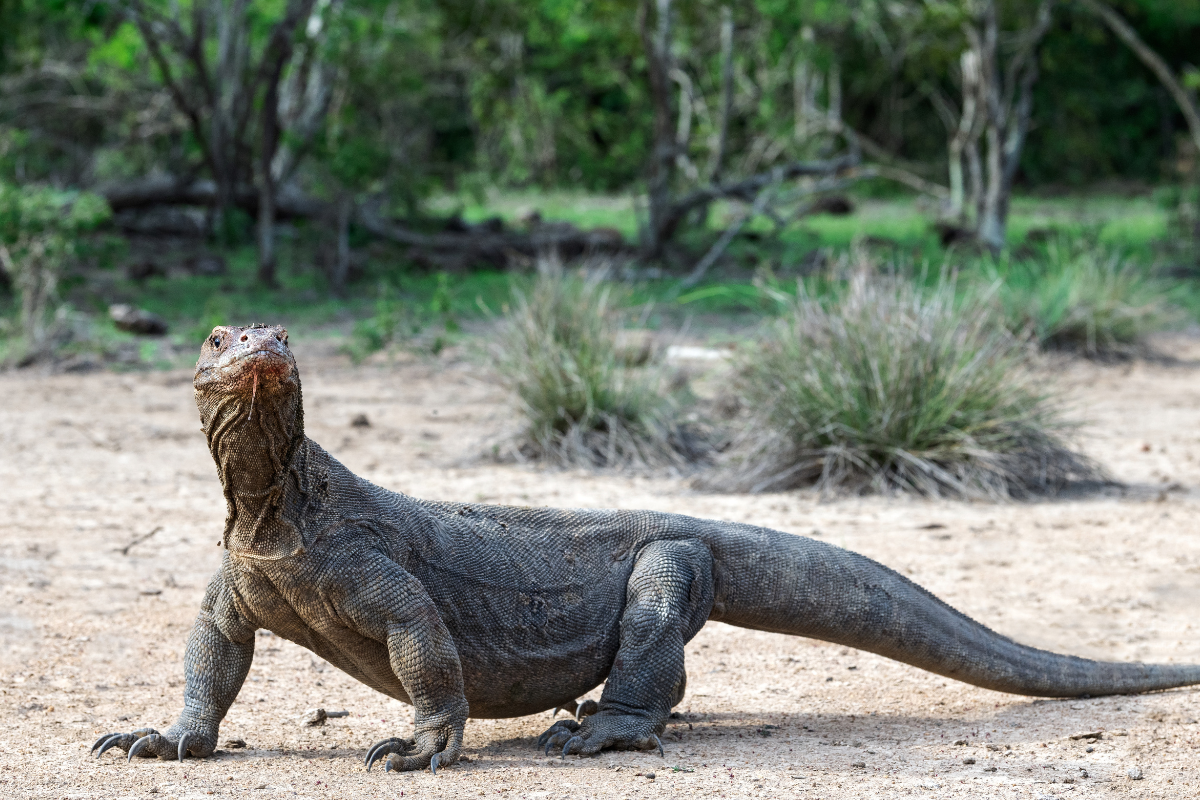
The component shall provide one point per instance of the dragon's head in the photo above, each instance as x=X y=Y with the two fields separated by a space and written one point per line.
x=246 y=375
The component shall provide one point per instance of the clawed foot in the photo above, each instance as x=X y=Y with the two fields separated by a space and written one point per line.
x=602 y=731
x=404 y=755
x=147 y=743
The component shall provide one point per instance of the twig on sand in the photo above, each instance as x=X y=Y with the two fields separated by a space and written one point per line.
x=138 y=540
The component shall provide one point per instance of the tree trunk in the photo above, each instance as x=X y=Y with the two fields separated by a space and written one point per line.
x=341 y=261
x=266 y=229
x=974 y=186
x=1008 y=108
x=227 y=88
x=269 y=141
x=277 y=54
x=726 y=94
x=662 y=165
x=966 y=134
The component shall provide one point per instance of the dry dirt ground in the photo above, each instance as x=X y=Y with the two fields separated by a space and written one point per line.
x=95 y=610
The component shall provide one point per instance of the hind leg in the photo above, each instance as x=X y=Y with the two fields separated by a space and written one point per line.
x=668 y=599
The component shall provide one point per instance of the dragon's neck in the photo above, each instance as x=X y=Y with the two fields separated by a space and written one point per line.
x=256 y=444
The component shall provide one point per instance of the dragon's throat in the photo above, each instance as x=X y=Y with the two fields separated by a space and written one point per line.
x=253 y=438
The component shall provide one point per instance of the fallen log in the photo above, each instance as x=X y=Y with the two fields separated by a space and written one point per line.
x=172 y=191
x=139 y=207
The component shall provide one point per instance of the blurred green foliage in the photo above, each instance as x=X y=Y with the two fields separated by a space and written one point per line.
x=450 y=95
x=41 y=231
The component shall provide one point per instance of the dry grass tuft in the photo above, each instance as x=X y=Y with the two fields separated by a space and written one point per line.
x=582 y=402
x=1086 y=299
x=889 y=387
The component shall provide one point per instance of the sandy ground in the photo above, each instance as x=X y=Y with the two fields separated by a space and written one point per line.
x=92 y=627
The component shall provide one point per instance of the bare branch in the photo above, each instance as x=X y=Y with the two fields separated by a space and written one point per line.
x=909 y=179
x=727 y=237
x=726 y=93
x=748 y=189
x=190 y=108
x=1126 y=33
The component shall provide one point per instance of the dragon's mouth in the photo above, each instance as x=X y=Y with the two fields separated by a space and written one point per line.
x=263 y=368
x=263 y=355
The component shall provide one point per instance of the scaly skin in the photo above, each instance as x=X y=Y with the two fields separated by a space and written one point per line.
x=500 y=612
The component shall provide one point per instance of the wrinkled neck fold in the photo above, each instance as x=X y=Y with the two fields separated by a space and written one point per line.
x=256 y=441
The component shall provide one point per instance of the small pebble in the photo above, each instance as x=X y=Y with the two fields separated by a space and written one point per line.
x=1089 y=750
x=234 y=744
x=1135 y=773
x=989 y=769
x=360 y=421
x=960 y=742
x=968 y=760
x=859 y=764
x=314 y=716
x=650 y=776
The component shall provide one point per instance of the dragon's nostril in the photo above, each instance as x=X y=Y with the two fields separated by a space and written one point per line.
x=244 y=337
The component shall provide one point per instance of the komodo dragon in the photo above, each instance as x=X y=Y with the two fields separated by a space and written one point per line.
x=490 y=611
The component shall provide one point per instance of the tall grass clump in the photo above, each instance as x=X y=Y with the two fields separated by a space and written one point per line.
x=582 y=403
x=885 y=386
x=1085 y=299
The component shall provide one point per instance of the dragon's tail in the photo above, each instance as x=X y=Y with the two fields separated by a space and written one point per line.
x=777 y=582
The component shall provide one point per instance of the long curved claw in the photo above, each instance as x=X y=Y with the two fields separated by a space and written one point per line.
x=559 y=736
x=101 y=741
x=570 y=742
x=586 y=709
x=187 y=738
x=368 y=760
x=372 y=757
x=380 y=749
x=113 y=740
x=138 y=746
x=433 y=762
x=658 y=742
x=387 y=766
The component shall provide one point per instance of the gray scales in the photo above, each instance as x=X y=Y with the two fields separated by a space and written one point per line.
x=492 y=611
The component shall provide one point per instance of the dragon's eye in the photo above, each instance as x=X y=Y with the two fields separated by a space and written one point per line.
x=216 y=340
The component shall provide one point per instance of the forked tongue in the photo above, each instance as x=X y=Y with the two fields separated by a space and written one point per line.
x=253 y=394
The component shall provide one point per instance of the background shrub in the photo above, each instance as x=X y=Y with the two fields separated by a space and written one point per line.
x=40 y=232
x=1087 y=299
x=884 y=386
x=582 y=402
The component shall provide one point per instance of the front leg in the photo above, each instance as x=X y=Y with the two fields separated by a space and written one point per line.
x=389 y=605
x=218 y=656
x=667 y=600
